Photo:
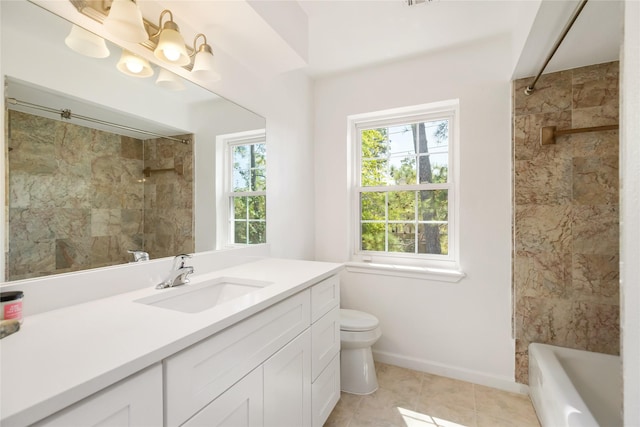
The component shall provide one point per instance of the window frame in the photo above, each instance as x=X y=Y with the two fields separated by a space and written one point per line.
x=426 y=112
x=225 y=214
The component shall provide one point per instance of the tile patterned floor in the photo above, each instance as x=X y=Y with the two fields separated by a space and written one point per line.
x=408 y=398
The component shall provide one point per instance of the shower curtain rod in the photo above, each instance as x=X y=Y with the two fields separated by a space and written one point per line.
x=66 y=114
x=529 y=90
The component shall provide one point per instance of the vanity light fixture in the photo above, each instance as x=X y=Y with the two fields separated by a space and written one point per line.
x=125 y=22
x=86 y=43
x=203 y=65
x=171 y=48
x=133 y=65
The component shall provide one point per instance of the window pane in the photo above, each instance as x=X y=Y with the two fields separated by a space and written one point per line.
x=403 y=170
x=260 y=155
x=401 y=140
x=433 y=147
x=257 y=232
x=374 y=172
x=433 y=168
x=374 y=143
x=437 y=136
x=402 y=205
x=257 y=207
x=241 y=165
x=433 y=205
x=258 y=180
x=240 y=232
x=402 y=238
x=240 y=180
x=372 y=206
x=239 y=207
x=433 y=239
x=373 y=237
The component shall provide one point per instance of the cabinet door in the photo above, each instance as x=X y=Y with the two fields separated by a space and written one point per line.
x=287 y=385
x=325 y=341
x=240 y=406
x=135 y=401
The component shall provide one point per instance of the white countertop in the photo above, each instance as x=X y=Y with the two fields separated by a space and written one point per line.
x=61 y=356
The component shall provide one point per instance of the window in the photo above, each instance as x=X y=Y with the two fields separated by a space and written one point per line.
x=404 y=192
x=246 y=185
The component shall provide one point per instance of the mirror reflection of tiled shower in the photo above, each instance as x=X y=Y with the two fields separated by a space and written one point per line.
x=78 y=197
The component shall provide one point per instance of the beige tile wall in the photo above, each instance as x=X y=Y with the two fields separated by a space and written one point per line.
x=77 y=198
x=168 y=198
x=565 y=265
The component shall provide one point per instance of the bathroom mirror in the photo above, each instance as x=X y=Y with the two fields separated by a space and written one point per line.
x=81 y=193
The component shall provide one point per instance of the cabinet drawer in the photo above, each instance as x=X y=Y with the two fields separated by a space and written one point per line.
x=325 y=341
x=199 y=374
x=324 y=296
x=325 y=392
x=135 y=401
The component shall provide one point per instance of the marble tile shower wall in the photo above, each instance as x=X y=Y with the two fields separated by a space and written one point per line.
x=169 y=227
x=75 y=197
x=565 y=268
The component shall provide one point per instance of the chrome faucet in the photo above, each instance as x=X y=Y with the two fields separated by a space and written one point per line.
x=139 y=255
x=178 y=274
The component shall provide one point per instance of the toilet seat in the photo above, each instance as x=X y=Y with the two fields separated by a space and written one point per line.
x=357 y=321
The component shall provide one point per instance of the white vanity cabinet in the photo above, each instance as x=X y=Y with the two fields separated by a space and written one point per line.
x=198 y=375
x=268 y=358
x=277 y=368
x=134 y=401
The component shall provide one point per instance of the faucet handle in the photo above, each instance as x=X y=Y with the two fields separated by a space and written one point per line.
x=178 y=260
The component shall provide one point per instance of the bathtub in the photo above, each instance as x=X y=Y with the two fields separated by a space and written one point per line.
x=575 y=388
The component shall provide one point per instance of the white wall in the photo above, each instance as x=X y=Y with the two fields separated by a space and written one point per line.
x=290 y=166
x=461 y=330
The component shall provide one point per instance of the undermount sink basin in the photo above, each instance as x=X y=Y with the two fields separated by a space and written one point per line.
x=202 y=296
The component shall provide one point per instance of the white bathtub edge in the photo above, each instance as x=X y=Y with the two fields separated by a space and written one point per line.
x=558 y=389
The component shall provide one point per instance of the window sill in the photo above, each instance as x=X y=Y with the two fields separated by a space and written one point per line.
x=425 y=273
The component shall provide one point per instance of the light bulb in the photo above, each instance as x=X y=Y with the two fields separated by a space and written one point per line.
x=171 y=54
x=134 y=66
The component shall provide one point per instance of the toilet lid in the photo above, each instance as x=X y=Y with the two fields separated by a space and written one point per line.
x=353 y=320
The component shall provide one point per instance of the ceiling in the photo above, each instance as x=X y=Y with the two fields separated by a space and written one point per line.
x=347 y=34
x=332 y=36
x=353 y=34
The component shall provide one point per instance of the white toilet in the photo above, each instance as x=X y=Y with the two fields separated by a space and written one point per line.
x=358 y=332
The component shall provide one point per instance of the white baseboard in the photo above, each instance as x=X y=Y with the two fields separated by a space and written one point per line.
x=502 y=383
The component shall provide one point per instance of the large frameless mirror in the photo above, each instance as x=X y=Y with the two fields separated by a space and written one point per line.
x=99 y=163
